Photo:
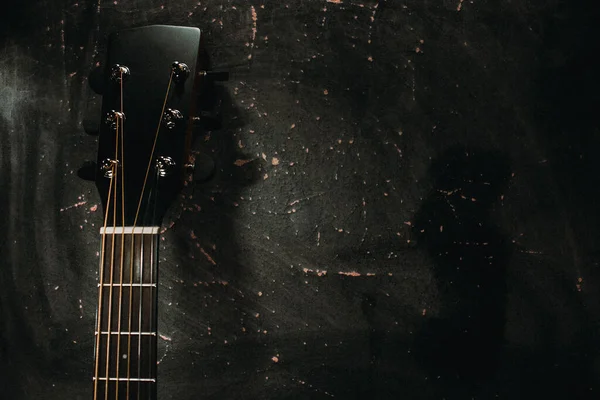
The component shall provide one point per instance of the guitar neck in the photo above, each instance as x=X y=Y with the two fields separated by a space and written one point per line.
x=126 y=329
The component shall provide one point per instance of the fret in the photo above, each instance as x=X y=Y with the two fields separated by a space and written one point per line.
x=128 y=284
x=131 y=253
x=127 y=389
x=126 y=333
x=125 y=379
x=135 y=355
x=127 y=315
x=144 y=230
x=141 y=302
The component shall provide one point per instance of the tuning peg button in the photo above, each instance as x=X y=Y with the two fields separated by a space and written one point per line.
x=209 y=121
x=216 y=76
x=119 y=73
x=202 y=169
x=91 y=126
x=171 y=117
x=180 y=71
x=96 y=80
x=88 y=171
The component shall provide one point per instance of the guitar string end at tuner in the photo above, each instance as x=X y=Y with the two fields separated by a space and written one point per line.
x=119 y=72
x=108 y=167
x=216 y=76
x=202 y=169
x=170 y=118
x=164 y=166
x=113 y=116
x=208 y=120
x=180 y=71
x=189 y=168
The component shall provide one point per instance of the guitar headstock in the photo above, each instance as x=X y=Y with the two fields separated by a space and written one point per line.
x=150 y=84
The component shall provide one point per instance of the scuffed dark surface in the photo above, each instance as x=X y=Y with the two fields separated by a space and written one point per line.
x=417 y=220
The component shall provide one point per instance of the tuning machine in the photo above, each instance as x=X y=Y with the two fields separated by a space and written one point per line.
x=171 y=118
x=215 y=76
x=180 y=71
x=113 y=117
x=108 y=167
x=119 y=73
x=209 y=121
x=202 y=168
x=164 y=166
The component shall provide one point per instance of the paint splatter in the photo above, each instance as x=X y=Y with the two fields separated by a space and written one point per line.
x=351 y=273
x=319 y=272
x=208 y=257
x=579 y=284
x=76 y=205
x=240 y=162
x=165 y=338
x=254 y=29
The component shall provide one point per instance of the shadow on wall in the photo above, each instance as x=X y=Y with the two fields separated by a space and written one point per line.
x=463 y=344
x=210 y=314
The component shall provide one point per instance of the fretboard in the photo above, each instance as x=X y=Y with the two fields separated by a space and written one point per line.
x=125 y=351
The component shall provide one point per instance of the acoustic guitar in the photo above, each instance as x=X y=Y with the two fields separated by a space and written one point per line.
x=150 y=86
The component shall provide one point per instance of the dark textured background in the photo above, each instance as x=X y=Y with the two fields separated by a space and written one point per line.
x=418 y=219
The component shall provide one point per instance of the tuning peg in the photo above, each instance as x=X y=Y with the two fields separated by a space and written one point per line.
x=91 y=126
x=96 y=80
x=202 y=169
x=87 y=171
x=216 y=76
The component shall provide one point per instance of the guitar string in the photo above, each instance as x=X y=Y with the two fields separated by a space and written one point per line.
x=142 y=235
x=115 y=173
x=129 y=317
x=121 y=160
x=162 y=113
x=139 y=356
x=153 y=291
x=100 y=293
x=149 y=364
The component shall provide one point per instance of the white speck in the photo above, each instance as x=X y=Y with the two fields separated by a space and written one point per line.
x=165 y=338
